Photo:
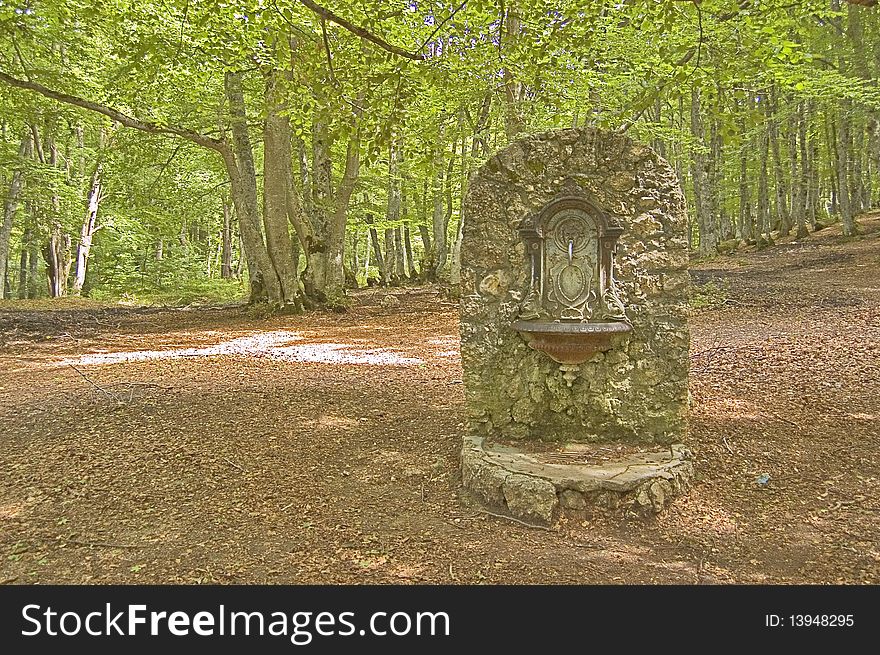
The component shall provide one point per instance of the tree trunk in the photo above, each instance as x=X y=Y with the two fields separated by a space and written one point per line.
x=324 y=276
x=393 y=265
x=243 y=177
x=407 y=244
x=513 y=90
x=58 y=261
x=277 y=184
x=23 y=264
x=783 y=217
x=702 y=202
x=388 y=266
x=801 y=188
x=763 y=215
x=226 y=242
x=399 y=255
x=10 y=206
x=88 y=230
x=377 y=250
x=427 y=266
x=842 y=165
x=439 y=217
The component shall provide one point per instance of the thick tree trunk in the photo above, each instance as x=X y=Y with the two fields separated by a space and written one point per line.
x=324 y=276
x=10 y=206
x=88 y=230
x=277 y=184
x=243 y=177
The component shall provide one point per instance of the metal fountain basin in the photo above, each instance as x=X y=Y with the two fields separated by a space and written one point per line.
x=570 y=342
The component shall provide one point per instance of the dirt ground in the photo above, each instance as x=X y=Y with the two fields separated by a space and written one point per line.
x=214 y=446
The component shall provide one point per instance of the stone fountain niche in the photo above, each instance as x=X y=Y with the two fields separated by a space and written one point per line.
x=574 y=338
x=572 y=309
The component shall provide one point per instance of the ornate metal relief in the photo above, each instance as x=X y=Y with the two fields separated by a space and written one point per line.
x=570 y=246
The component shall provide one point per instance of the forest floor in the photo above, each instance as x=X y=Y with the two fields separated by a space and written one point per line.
x=174 y=446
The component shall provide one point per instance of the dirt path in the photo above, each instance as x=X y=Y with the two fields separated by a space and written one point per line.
x=196 y=447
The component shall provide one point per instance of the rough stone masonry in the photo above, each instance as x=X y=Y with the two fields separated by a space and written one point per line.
x=635 y=392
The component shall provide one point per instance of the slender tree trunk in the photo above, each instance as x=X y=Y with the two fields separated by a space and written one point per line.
x=33 y=268
x=10 y=206
x=407 y=244
x=783 y=217
x=513 y=90
x=88 y=230
x=393 y=267
x=377 y=251
x=388 y=267
x=745 y=223
x=813 y=201
x=226 y=241
x=801 y=189
x=427 y=271
x=399 y=255
x=763 y=222
x=23 y=264
x=842 y=165
x=702 y=202
x=439 y=217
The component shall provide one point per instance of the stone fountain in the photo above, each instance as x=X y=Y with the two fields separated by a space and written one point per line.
x=574 y=328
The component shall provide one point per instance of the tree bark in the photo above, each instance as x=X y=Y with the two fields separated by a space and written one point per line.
x=783 y=217
x=439 y=216
x=763 y=215
x=226 y=240
x=242 y=173
x=407 y=244
x=801 y=189
x=377 y=250
x=324 y=276
x=88 y=230
x=10 y=206
x=277 y=184
x=842 y=165
x=700 y=182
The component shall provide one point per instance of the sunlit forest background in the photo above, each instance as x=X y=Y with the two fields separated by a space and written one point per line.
x=180 y=151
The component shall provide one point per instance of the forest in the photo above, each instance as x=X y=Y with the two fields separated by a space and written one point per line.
x=284 y=152
x=276 y=277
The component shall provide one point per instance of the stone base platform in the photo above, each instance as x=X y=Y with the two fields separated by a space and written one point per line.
x=537 y=486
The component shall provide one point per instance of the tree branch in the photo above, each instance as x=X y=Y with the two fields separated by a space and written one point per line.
x=118 y=116
x=360 y=31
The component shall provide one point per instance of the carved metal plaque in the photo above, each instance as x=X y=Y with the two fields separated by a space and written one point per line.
x=570 y=246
